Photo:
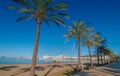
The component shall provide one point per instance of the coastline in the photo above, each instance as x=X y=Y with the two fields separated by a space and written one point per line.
x=58 y=69
x=41 y=69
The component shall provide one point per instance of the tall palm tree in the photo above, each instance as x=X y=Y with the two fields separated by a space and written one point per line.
x=102 y=51
x=98 y=40
x=78 y=30
x=89 y=43
x=107 y=52
x=41 y=11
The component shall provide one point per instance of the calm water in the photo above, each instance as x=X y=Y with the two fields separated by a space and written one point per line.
x=20 y=61
x=27 y=61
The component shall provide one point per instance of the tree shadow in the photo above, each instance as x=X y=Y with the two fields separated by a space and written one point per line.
x=111 y=71
x=113 y=68
x=22 y=70
x=7 y=68
x=113 y=65
x=92 y=75
x=52 y=69
x=114 y=71
x=73 y=66
x=40 y=68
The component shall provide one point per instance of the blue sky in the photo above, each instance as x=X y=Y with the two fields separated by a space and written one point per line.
x=17 y=38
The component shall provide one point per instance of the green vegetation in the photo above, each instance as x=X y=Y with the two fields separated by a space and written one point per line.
x=89 y=42
x=98 y=40
x=105 y=51
x=68 y=72
x=78 y=30
x=71 y=72
x=41 y=11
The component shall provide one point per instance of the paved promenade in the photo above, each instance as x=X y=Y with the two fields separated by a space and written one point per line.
x=112 y=69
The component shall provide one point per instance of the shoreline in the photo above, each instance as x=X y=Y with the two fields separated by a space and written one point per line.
x=58 y=69
x=41 y=69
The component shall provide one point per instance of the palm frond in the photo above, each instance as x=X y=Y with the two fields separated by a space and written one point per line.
x=63 y=15
x=58 y=7
x=55 y=22
x=47 y=22
x=78 y=30
x=41 y=9
x=24 y=10
x=21 y=18
x=57 y=19
x=67 y=35
x=47 y=3
x=12 y=7
x=41 y=4
x=23 y=2
x=89 y=29
x=31 y=17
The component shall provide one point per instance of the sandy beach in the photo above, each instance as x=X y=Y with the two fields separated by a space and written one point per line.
x=41 y=69
x=58 y=69
x=60 y=38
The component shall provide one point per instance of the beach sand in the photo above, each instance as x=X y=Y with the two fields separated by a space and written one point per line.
x=58 y=69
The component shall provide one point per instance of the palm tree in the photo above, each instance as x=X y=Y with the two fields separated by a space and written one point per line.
x=107 y=52
x=78 y=30
x=41 y=11
x=89 y=42
x=98 y=40
x=102 y=51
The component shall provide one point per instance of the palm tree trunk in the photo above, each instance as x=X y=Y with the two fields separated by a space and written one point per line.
x=98 y=55
x=104 y=58
x=101 y=58
x=90 y=56
x=34 y=57
x=78 y=54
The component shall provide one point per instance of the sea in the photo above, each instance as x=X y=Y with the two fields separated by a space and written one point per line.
x=28 y=61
